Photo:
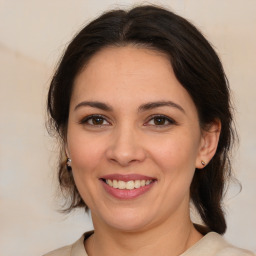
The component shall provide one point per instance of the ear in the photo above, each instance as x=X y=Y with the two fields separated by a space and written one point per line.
x=67 y=150
x=208 y=144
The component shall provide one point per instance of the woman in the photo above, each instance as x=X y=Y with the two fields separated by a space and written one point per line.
x=141 y=103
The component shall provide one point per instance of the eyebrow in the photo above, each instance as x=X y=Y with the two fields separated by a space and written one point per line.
x=94 y=104
x=144 y=107
x=157 y=104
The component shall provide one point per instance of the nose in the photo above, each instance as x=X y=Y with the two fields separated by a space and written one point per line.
x=126 y=147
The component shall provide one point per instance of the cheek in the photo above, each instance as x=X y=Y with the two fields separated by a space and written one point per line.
x=176 y=158
x=86 y=151
x=176 y=151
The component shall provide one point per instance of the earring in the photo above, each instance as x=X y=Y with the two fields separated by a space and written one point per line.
x=203 y=163
x=68 y=164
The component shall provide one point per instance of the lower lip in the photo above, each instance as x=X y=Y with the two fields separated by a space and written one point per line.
x=127 y=193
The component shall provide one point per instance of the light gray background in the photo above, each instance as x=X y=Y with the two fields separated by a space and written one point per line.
x=33 y=35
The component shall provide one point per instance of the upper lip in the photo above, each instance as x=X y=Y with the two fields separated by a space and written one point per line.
x=126 y=177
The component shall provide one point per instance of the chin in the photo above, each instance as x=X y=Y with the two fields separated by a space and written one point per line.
x=127 y=220
x=132 y=226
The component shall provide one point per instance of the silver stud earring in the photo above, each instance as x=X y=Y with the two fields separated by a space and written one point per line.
x=68 y=164
x=203 y=163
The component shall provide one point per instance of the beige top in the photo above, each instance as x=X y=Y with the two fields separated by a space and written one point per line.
x=212 y=244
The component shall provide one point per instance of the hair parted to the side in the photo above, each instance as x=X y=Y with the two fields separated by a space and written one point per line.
x=196 y=66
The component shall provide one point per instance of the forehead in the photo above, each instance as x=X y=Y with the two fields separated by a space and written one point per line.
x=127 y=60
x=127 y=75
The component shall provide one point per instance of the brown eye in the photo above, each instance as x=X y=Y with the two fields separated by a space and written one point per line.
x=95 y=120
x=159 y=120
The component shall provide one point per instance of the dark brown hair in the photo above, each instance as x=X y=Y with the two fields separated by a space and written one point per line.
x=196 y=66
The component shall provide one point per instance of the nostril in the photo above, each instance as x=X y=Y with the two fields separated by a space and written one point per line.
x=124 y=153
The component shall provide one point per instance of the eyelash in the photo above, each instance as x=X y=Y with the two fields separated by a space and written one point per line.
x=88 y=118
x=165 y=118
x=151 y=118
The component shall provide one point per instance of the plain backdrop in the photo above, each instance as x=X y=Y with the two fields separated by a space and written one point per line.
x=33 y=35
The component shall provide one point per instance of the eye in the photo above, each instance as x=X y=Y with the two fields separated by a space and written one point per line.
x=160 y=120
x=95 y=120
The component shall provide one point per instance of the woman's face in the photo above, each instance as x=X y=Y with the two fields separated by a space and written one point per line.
x=132 y=125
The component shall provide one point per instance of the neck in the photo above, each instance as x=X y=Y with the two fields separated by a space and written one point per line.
x=172 y=239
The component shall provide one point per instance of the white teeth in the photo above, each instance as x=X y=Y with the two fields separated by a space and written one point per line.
x=115 y=184
x=110 y=182
x=137 y=183
x=121 y=184
x=131 y=184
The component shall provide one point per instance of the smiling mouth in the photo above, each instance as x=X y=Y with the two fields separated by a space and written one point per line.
x=128 y=185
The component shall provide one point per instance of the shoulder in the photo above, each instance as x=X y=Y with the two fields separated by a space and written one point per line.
x=234 y=251
x=225 y=248
x=64 y=251
x=75 y=249
x=214 y=244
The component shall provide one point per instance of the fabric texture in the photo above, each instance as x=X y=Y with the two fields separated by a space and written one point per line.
x=212 y=244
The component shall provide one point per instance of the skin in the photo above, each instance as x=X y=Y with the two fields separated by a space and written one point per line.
x=128 y=139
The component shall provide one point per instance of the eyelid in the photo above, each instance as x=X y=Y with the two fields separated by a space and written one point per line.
x=85 y=120
x=171 y=121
